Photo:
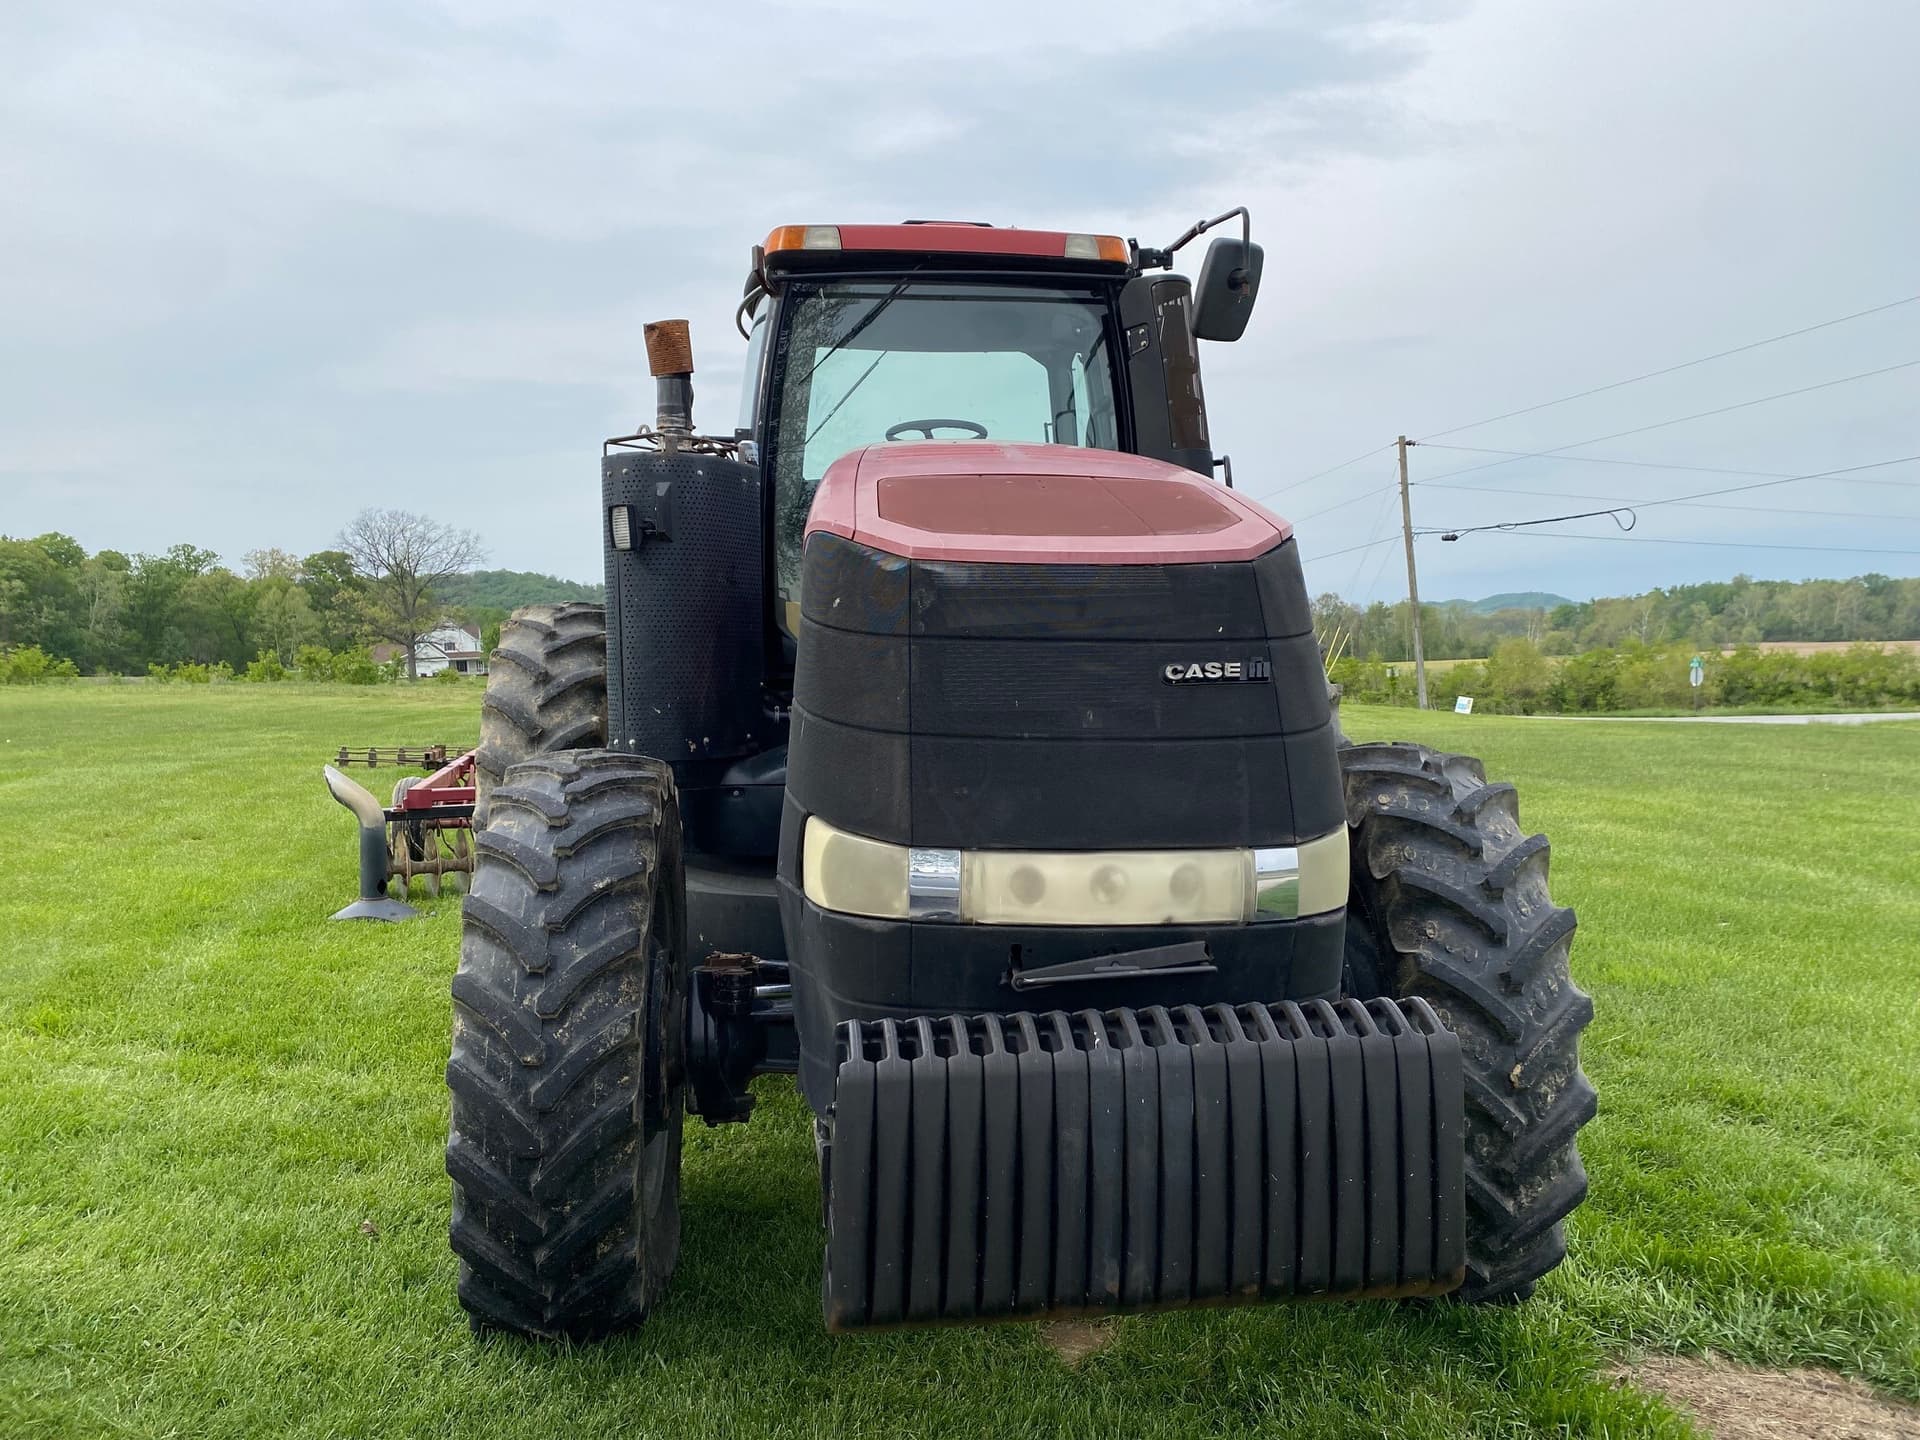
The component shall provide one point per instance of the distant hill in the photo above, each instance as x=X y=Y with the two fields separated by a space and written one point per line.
x=1513 y=600
x=510 y=589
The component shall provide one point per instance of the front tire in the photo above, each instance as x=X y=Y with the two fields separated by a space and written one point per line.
x=569 y=1033
x=1450 y=903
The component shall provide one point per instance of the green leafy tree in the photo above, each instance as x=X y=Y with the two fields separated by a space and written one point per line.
x=38 y=588
x=216 y=611
x=1518 y=676
x=283 y=619
x=104 y=641
x=335 y=596
x=154 y=587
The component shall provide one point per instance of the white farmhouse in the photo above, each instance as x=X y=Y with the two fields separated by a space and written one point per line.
x=448 y=646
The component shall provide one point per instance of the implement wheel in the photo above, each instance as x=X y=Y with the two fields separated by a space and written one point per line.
x=569 y=1035
x=1450 y=903
x=546 y=690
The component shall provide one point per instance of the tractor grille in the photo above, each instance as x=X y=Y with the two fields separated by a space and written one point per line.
x=1026 y=706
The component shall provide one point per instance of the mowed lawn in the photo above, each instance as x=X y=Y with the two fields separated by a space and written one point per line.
x=222 y=1207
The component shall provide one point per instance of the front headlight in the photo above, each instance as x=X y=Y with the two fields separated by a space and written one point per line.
x=852 y=873
x=859 y=876
x=1105 y=887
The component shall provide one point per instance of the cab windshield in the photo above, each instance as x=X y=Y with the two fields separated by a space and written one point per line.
x=873 y=361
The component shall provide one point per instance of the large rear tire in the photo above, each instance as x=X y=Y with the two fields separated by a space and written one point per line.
x=569 y=1036
x=546 y=690
x=1450 y=903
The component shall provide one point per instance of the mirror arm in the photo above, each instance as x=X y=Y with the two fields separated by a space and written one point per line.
x=1147 y=258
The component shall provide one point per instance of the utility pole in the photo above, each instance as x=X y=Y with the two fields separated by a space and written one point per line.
x=1413 y=579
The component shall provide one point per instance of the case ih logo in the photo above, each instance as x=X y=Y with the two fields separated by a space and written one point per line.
x=1188 y=672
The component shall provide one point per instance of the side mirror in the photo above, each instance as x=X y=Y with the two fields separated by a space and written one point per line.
x=1229 y=284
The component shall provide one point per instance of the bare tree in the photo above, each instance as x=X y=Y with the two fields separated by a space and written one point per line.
x=403 y=556
x=270 y=562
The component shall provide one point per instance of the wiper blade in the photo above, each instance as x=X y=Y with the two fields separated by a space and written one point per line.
x=846 y=396
x=864 y=321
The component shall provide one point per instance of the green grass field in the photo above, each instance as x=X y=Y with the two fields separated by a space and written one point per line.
x=222 y=1208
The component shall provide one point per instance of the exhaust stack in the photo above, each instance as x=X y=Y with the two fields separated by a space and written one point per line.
x=373 y=903
x=670 y=359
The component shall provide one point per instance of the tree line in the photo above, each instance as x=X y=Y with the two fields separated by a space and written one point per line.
x=393 y=576
x=390 y=575
x=1716 y=615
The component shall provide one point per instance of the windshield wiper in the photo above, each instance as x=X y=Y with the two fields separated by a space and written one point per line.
x=864 y=321
x=845 y=397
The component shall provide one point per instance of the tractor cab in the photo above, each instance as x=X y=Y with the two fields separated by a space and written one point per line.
x=881 y=334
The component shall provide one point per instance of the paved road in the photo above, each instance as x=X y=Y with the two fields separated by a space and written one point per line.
x=1864 y=718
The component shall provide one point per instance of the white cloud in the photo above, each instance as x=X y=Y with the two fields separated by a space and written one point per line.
x=309 y=256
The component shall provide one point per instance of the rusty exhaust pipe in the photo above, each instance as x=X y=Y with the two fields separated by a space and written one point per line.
x=670 y=360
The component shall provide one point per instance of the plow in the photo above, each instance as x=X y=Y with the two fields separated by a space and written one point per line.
x=425 y=834
x=955 y=740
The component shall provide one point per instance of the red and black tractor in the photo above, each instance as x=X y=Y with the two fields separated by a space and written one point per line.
x=955 y=741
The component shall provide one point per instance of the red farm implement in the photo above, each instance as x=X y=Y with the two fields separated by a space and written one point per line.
x=427 y=832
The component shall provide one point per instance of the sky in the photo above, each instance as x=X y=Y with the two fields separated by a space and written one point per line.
x=261 y=267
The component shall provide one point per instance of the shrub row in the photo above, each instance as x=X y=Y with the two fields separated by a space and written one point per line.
x=30 y=665
x=313 y=663
x=1517 y=679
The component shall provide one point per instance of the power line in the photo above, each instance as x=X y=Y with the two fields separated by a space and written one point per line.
x=1363 y=495
x=1597 y=460
x=1602 y=389
x=1782 y=480
x=1455 y=532
x=1715 y=544
x=1378 y=527
x=1375 y=529
x=1689 y=504
x=1319 y=474
x=1609 y=460
x=1373 y=582
x=1348 y=550
x=1670 y=369
x=1683 y=419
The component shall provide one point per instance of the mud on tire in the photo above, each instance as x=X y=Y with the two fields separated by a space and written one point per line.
x=1450 y=903
x=546 y=690
x=569 y=1026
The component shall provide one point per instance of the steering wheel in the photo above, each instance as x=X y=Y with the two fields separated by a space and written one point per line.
x=927 y=427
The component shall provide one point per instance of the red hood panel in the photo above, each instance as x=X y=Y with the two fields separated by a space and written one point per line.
x=968 y=500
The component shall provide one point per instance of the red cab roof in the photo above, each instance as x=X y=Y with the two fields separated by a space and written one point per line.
x=946 y=237
x=982 y=501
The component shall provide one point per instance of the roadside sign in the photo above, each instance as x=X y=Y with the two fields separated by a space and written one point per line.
x=1463 y=705
x=1696 y=672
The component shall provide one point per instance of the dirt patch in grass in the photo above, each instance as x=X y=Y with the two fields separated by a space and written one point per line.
x=1733 y=1402
x=1074 y=1340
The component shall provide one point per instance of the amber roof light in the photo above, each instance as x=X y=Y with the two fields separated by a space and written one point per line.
x=951 y=238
